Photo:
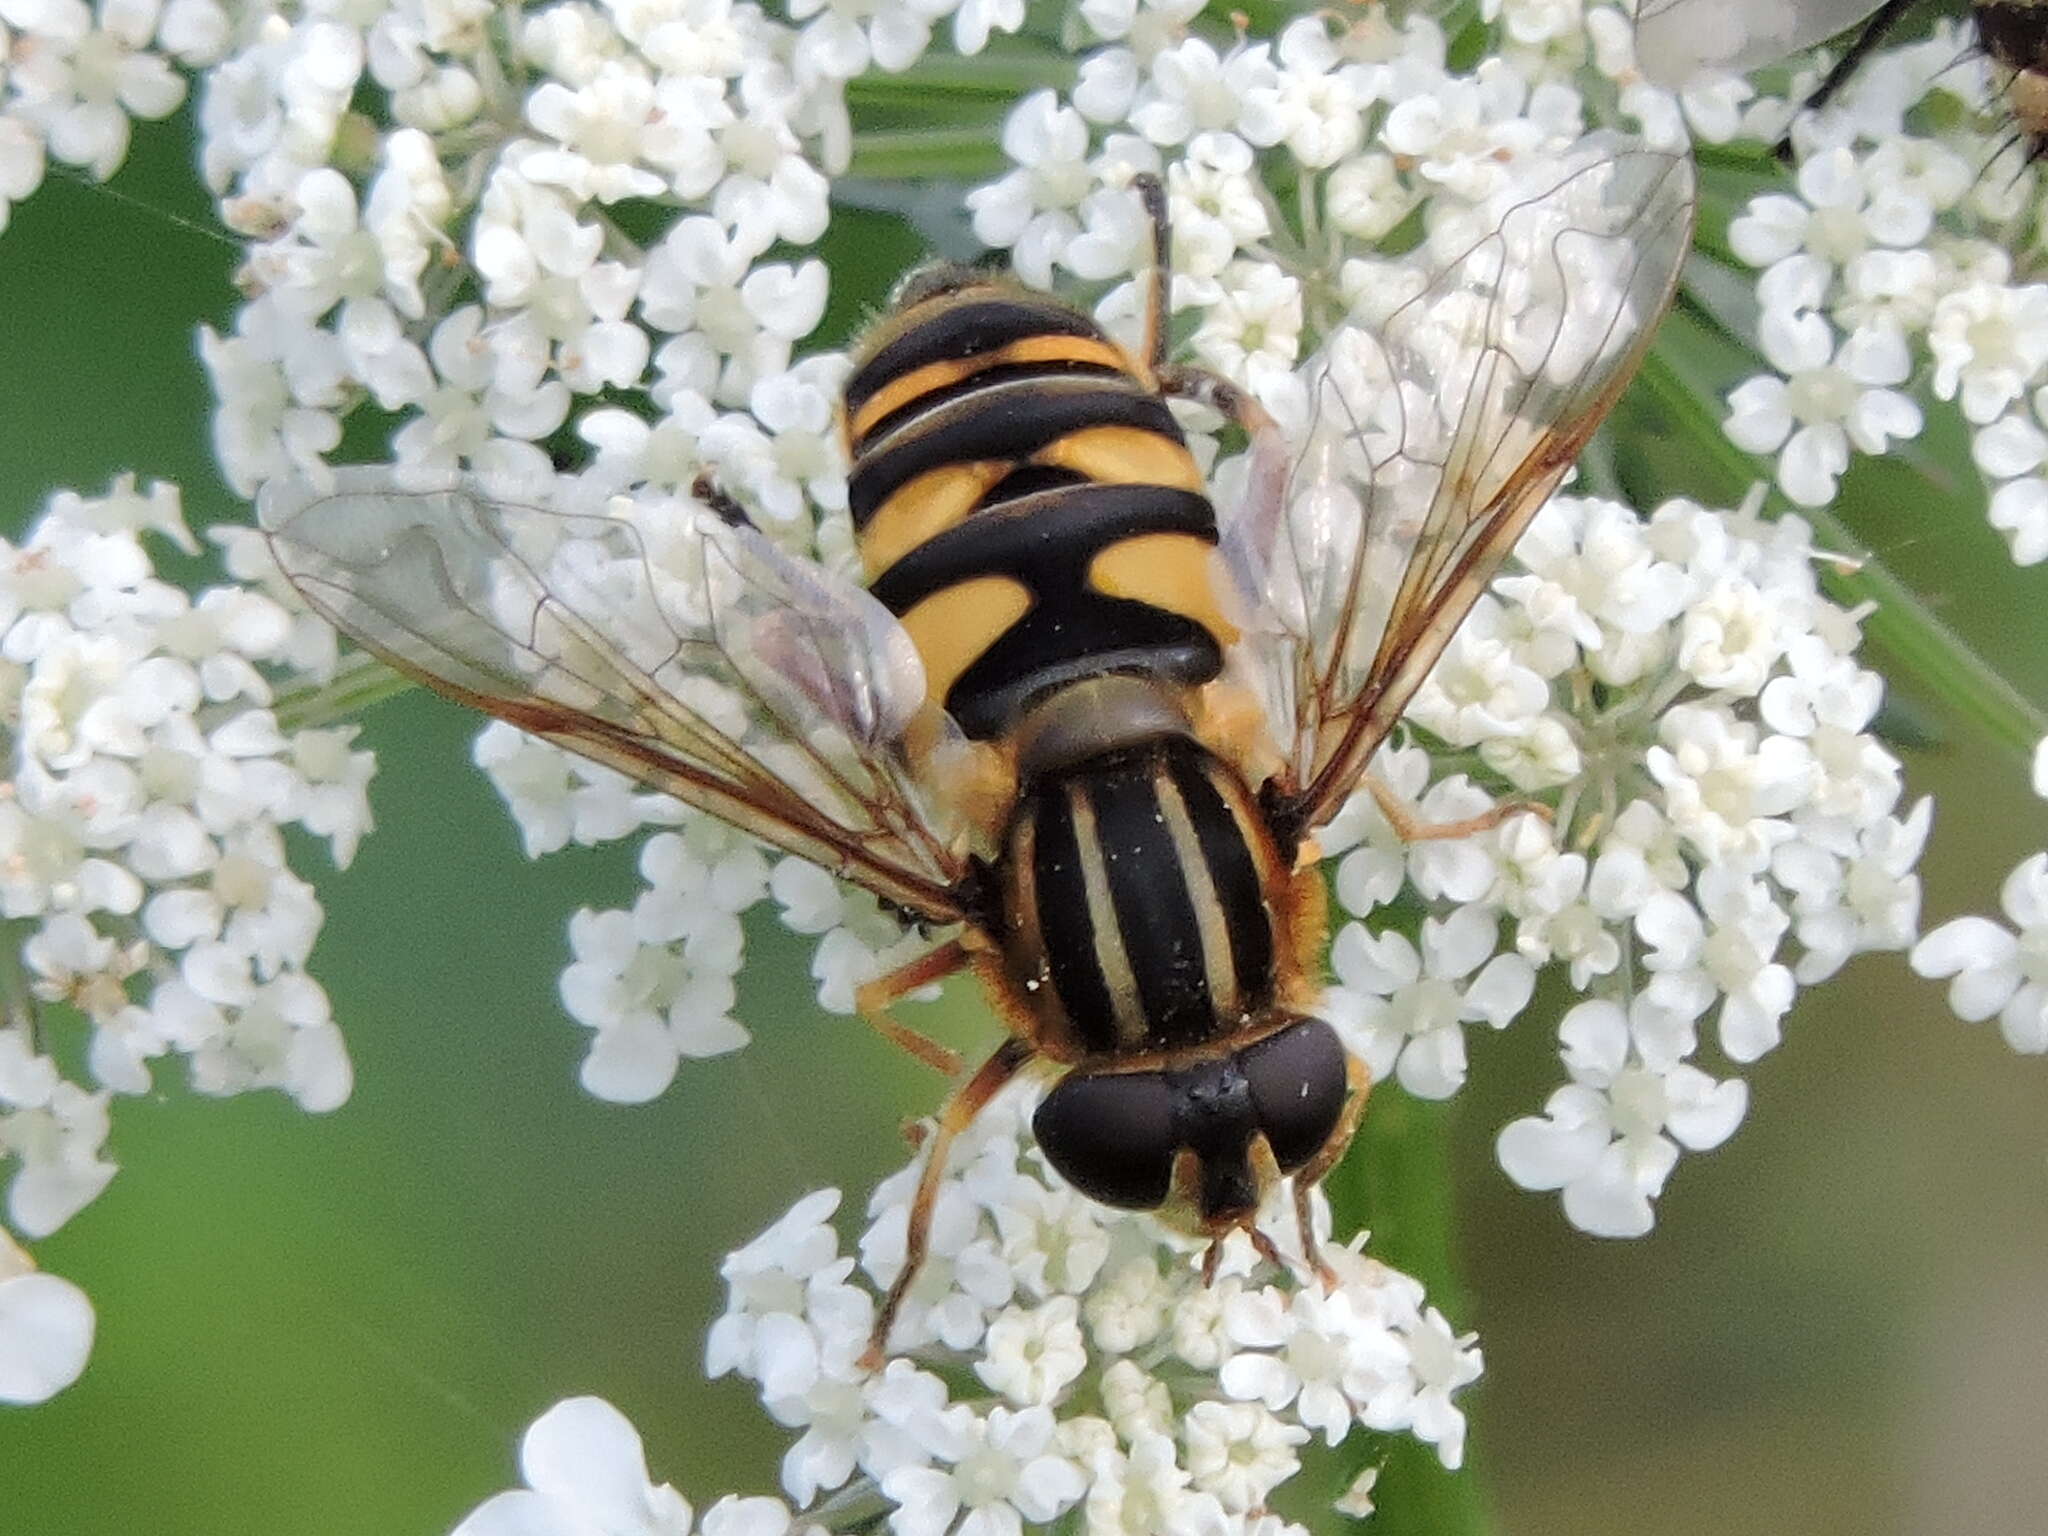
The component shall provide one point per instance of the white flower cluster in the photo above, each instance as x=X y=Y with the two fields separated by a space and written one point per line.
x=586 y=1475
x=1889 y=272
x=1994 y=969
x=142 y=863
x=519 y=133
x=73 y=75
x=448 y=209
x=1056 y=1361
x=1726 y=830
x=457 y=258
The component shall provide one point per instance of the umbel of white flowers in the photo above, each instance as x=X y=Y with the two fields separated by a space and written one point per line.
x=1727 y=829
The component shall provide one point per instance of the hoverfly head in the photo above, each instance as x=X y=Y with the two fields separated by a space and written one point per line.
x=1201 y=1144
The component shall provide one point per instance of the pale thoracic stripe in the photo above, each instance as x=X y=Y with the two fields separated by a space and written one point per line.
x=1217 y=966
x=1110 y=957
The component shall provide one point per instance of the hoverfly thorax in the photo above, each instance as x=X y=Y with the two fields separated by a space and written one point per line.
x=1144 y=899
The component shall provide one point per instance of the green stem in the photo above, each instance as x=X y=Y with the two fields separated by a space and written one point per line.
x=987 y=77
x=927 y=154
x=1397 y=1183
x=1908 y=630
x=359 y=682
x=1903 y=627
x=17 y=1002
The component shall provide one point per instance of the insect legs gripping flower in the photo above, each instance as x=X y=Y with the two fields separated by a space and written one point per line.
x=1082 y=715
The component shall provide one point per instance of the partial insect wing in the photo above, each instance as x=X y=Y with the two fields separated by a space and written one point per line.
x=1676 y=38
x=805 y=639
x=694 y=656
x=1436 y=436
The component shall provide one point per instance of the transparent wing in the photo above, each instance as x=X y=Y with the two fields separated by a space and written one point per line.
x=692 y=655
x=1435 y=436
x=1674 y=38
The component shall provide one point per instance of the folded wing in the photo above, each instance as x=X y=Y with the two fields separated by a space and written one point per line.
x=687 y=653
x=1435 y=436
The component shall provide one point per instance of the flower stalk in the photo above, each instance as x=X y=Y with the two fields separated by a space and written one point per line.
x=930 y=154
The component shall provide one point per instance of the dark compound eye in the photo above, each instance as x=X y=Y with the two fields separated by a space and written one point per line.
x=1111 y=1136
x=1298 y=1083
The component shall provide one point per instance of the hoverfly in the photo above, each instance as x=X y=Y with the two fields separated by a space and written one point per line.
x=1676 y=37
x=1082 y=722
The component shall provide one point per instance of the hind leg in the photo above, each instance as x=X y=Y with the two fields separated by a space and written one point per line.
x=1408 y=825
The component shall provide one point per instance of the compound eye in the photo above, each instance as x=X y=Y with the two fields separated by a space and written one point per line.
x=1298 y=1079
x=1110 y=1135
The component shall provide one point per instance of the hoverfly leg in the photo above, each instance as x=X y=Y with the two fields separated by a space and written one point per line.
x=723 y=504
x=954 y=1116
x=1189 y=383
x=1312 y=1253
x=1310 y=1173
x=1409 y=826
x=1880 y=22
x=1264 y=1247
x=1159 y=302
x=1231 y=401
x=871 y=1001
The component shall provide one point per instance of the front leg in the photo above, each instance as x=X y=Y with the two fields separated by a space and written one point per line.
x=872 y=999
x=1310 y=1174
x=1189 y=383
x=955 y=1115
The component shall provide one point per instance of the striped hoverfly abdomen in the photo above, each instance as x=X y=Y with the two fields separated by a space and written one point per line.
x=1025 y=502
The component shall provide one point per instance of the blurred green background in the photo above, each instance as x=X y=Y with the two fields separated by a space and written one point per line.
x=333 y=1326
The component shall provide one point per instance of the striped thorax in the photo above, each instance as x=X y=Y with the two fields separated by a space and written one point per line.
x=1138 y=871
